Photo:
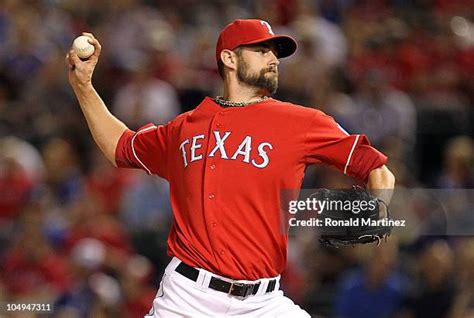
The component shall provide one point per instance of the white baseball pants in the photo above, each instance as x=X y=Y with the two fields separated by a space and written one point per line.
x=179 y=296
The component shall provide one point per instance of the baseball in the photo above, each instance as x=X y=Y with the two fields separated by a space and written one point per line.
x=82 y=47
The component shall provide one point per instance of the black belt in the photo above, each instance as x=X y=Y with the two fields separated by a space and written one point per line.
x=235 y=289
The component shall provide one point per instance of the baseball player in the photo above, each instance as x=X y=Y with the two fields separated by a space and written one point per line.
x=226 y=162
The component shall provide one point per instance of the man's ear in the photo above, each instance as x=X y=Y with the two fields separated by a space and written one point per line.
x=229 y=59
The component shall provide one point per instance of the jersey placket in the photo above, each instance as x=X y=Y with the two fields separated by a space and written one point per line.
x=211 y=199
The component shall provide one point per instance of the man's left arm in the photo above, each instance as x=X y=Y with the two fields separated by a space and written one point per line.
x=351 y=154
x=381 y=183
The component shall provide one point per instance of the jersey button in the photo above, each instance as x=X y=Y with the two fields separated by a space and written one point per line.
x=218 y=125
x=214 y=224
x=211 y=196
x=222 y=252
x=213 y=167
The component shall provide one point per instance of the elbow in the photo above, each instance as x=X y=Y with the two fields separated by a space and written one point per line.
x=388 y=177
x=381 y=178
x=391 y=179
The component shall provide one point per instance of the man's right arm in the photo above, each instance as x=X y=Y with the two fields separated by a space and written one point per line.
x=106 y=129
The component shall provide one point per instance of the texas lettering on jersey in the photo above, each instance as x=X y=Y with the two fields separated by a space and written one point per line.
x=191 y=149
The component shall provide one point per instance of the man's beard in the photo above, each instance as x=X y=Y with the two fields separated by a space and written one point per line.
x=259 y=80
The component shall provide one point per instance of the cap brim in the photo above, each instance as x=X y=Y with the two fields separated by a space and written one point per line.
x=285 y=45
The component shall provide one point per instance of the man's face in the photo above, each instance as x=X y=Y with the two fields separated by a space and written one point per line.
x=258 y=66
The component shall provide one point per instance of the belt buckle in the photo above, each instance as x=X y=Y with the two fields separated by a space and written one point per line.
x=231 y=289
x=247 y=289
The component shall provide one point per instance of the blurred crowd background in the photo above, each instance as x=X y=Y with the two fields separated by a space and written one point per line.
x=91 y=239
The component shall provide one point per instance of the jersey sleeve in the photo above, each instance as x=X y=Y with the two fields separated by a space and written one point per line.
x=145 y=149
x=327 y=142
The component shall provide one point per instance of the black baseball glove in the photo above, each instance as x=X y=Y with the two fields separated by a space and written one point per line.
x=352 y=216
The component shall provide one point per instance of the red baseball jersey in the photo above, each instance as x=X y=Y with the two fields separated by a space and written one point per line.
x=227 y=168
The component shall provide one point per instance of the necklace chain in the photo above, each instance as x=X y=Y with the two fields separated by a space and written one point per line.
x=225 y=103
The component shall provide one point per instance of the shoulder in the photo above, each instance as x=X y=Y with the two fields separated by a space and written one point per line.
x=300 y=115
x=184 y=115
x=293 y=110
x=181 y=118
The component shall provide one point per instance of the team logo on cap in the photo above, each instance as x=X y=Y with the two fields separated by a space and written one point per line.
x=265 y=23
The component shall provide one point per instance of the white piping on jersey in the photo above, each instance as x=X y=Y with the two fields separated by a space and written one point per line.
x=133 y=148
x=343 y=130
x=350 y=154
